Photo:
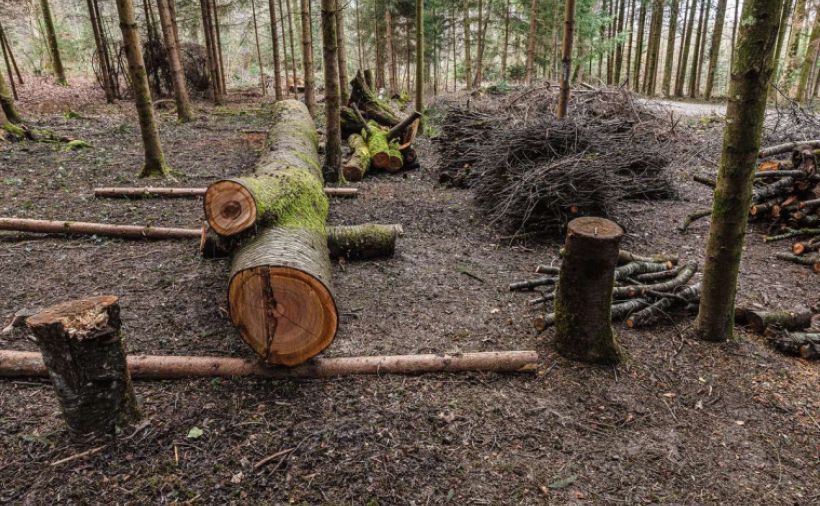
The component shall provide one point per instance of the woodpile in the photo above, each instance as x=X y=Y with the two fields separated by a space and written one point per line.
x=787 y=331
x=647 y=290
x=786 y=199
x=377 y=137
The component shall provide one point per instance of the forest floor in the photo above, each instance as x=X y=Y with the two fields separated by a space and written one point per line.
x=681 y=422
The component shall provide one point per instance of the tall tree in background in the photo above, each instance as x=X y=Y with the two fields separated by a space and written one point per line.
x=263 y=85
x=781 y=38
x=566 y=58
x=809 y=61
x=391 y=52
x=284 y=33
x=53 y=45
x=636 y=71
x=211 y=50
x=506 y=45
x=530 y=41
x=293 y=50
x=741 y=145
x=693 y=75
x=653 y=48
x=307 y=57
x=7 y=104
x=702 y=49
x=619 y=49
x=333 y=133
x=670 y=49
x=714 y=51
x=154 y=158
x=277 y=59
x=101 y=46
x=169 y=32
x=468 y=67
x=420 y=56
x=342 y=53
x=793 y=56
x=680 y=77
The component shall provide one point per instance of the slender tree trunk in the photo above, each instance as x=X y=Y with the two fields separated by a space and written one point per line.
x=619 y=49
x=7 y=44
x=307 y=57
x=262 y=84
x=277 y=62
x=99 y=43
x=6 y=50
x=531 y=42
x=629 y=42
x=53 y=45
x=680 y=79
x=177 y=72
x=219 y=54
x=7 y=105
x=566 y=58
x=391 y=52
x=793 y=56
x=359 y=36
x=213 y=71
x=714 y=51
x=420 y=56
x=636 y=71
x=378 y=13
x=653 y=48
x=342 y=52
x=283 y=33
x=666 y=87
x=741 y=145
x=106 y=35
x=702 y=53
x=781 y=38
x=732 y=51
x=505 y=47
x=483 y=21
x=468 y=65
x=333 y=134
x=693 y=76
x=810 y=61
x=154 y=158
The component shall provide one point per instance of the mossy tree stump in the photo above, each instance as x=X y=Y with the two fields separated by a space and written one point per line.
x=82 y=348
x=583 y=297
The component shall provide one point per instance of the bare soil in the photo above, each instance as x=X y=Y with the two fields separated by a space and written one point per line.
x=681 y=422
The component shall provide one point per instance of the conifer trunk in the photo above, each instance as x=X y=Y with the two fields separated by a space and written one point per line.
x=53 y=45
x=530 y=41
x=702 y=51
x=99 y=42
x=391 y=52
x=333 y=133
x=505 y=46
x=636 y=77
x=809 y=62
x=307 y=58
x=468 y=67
x=680 y=79
x=154 y=158
x=714 y=51
x=284 y=47
x=293 y=51
x=277 y=61
x=263 y=85
x=741 y=145
x=670 y=48
x=693 y=76
x=420 y=56
x=167 y=21
x=566 y=58
x=781 y=38
x=793 y=57
x=619 y=50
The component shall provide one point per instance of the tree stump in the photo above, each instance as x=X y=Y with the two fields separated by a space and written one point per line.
x=82 y=348
x=583 y=297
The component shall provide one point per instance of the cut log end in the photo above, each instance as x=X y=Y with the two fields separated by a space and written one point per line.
x=299 y=317
x=79 y=318
x=598 y=228
x=229 y=207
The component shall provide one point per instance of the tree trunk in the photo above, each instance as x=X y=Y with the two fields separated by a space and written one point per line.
x=217 y=27
x=154 y=158
x=702 y=52
x=629 y=42
x=619 y=49
x=99 y=42
x=714 y=51
x=293 y=51
x=378 y=16
x=82 y=348
x=391 y=52
x=211 y=51
x=583 y=297
x=263 y=85
x=7 y=44
x=793 y=56
x=531 y=42
x=636 y=71
x=666 y=87
x=693 y=75
x=307 y=58
x=53 y=46
x=680 y=79
x=283 y=33
x=277 y=59
x=172 y=50
x=741 y=145
x=7 y=104
x=734 y=41
x=506 y=45
x=653 y=48
x=333 y=135
x=359 y=42
x=810 y=61
x=781 y=37
x=468 y=64
x=420 y=56
x=566 y=58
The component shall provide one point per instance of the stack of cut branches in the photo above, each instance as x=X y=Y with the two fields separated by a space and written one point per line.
x=647 y=290
x=531 y=171
x=787 y=331
x=375 y=134
x=787 y=199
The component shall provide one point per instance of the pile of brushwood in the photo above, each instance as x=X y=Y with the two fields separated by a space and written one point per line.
x=647 y=290
x=533 y=172
x=377 y=137
x=786 y=200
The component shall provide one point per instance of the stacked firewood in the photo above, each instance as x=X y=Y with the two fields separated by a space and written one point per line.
x=646 y=289
x=789 y=331
x=787 y=199
x=377 y=137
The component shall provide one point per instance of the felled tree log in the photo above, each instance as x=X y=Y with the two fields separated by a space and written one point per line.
x=811 y=260
x=102 y=229
x=397 y=131
x=533 y=283
x=759 y=321
x=625 y=257
x=583 y=297
x=350 y=122
x=396 y=159
x=370 y=105
x=82 y=348
x=807 y=345
x=379 y=149
x=686 y=273
x=781 y=187
x=279 y=294
x=155 y=192
x=16 y=364
x=658 y=309
x=803 y=247
x=635 y=268
x=358 y=164
x=792 y=233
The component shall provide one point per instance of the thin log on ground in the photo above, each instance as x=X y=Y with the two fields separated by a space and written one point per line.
x=759 y=321
x=693 y=217
x=683 y=277
x=157 y=192
x=660 y=308
x=804 y=344
x=813 y=261
x=625 y=257
x=635 y=268
x=657 y=276
x=82 y=349
x=100 y=229
x=533 y=283
x=809 y=204
x=788 y=147
x=21 y=364
x=704 y=180
x=792 y=233
x=547 y=269
x=778 y=174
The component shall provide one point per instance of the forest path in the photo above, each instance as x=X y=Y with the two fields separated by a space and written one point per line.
x=690 y=108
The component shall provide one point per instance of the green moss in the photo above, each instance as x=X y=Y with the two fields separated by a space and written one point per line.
x=14 y=130
x=149 y=171
x=289 y=198
x=77 y=145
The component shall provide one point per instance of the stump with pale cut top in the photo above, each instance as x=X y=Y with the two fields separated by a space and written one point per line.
x=583 y=297
x=83 y=350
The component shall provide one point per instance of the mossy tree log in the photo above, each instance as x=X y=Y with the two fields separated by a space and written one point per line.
x=379 y=148
x=82 y=348
x=8 y=111
x=583 y=297
x=363 y=96
x=358 y=164
x=741 y=145
x=280 y=295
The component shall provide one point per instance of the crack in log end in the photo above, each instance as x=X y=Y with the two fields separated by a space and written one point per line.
x=271 y=319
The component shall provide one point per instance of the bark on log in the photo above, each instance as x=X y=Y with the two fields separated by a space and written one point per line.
x=624 y=257
x=396 y=159
x=583 y=298
x=630 y=291
x=359 y=162
x=635 y=268
x=155 y=192
x=82 y=348
x=759 y=321
x=370 y=105
x=17 y=364
x=658 y=309
x=102 y=229
x=350 y=122
x=379 y=149
x=397 y=131
x=807 y=345
x=788 y=148
x=812 y=261
x=792 y=233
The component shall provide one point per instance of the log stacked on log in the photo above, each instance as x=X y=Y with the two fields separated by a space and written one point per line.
x=646 y=290
x=377 y=138
x=786 y=198
x=787 y=331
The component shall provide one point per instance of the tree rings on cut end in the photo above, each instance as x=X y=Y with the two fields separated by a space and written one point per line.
x=285 y=315
x=597 y=228
x=230 y=207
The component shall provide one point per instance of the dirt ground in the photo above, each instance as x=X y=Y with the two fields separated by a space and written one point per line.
x=681 y=422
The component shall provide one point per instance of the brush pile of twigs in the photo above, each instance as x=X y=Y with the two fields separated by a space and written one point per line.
x=531 y=171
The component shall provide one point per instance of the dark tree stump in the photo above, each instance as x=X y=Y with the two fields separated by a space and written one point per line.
x=583 y=297
x=82 y=348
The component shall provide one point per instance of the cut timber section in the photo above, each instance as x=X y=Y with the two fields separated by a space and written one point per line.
x=21 y=364
x=148 y=192
x=280 y=296
x=102 y=229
